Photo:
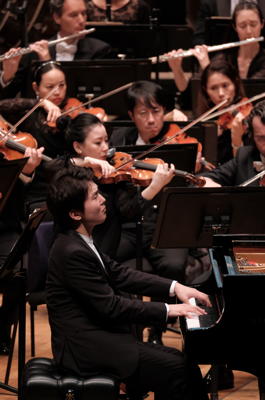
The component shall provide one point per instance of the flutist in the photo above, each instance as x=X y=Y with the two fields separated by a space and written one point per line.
x=249 y=59
x=70 y=17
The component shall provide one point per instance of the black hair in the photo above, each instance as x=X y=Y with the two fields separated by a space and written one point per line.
x=67 y=192
x=146 y=92
x=76 y=129
x=247 y=5
x=44 y=67
x=257 y=111
x=225 y=68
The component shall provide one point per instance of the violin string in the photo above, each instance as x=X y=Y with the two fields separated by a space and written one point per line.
x=101 y=97
x=40 y=101
x=188 y=126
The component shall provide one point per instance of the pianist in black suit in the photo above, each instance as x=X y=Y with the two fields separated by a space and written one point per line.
x=249 y=160
x=70 y=17
x=90 y=314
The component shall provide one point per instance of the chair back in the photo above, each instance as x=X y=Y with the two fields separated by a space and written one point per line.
x=38 y=257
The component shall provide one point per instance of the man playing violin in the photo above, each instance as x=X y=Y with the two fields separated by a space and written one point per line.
x=146 y=105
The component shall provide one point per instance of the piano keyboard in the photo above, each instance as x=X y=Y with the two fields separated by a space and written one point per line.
x=206 y=320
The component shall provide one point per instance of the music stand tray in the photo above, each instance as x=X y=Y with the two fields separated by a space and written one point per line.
x=191 y=217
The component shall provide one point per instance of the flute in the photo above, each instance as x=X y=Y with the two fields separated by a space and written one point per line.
x=27 y=50
x=218 y=47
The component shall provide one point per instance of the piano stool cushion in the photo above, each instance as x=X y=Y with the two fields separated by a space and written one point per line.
x=42 y=380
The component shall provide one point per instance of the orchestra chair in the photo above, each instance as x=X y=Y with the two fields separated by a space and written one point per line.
x=13 y=268
x=37 y=272
x=42 y=380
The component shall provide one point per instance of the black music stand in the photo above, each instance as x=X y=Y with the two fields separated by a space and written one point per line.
x=9 y=172
x=8 y=271
x=191 y=217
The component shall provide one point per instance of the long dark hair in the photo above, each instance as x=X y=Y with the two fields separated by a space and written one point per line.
x=224 y=68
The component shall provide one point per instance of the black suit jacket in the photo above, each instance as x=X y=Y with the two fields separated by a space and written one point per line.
x=237 y=170
x=90 y=317
x=88 y=49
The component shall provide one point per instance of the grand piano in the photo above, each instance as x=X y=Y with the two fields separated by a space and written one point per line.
x=233 y=331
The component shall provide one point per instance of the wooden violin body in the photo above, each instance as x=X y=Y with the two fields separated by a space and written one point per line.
x=225 y=120
x=140 y=172
x=13 y=146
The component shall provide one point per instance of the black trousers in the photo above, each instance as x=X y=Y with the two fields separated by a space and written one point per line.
x=166 y=372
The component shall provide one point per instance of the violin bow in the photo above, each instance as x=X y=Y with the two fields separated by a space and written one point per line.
x=234 y=106
x=14 y=127
x=101 y=97
x=184 y=129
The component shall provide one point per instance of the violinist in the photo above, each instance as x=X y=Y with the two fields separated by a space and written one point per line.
x=41 y=123
x=70 y=16
x=249 y=160
x=87 y=145
x=146 y=105
x=220 y=81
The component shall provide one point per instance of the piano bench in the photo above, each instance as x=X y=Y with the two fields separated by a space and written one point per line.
x=42 y=380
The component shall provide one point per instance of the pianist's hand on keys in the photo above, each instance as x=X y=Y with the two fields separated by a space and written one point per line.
x=184 y=293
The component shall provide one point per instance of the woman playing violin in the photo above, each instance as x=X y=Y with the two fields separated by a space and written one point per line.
x=41 y=124
x=220 y=81
x=249 y=160
x=87 y=144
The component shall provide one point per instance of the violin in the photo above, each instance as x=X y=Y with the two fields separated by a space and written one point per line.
x=175 y=135
x=140 y=172
x=74 y=107
x=77 y=107
x=225 y=121
x=13 y=146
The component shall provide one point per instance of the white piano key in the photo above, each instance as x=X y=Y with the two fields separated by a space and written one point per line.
x=194 y=321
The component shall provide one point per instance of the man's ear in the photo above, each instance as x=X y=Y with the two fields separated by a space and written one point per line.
x=56 y=18
x=76 y=215
x=131 y=115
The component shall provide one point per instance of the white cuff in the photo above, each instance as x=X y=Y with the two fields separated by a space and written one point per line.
x=172 y=289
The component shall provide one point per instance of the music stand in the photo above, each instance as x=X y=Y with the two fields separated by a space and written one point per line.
x=191 y=217
x=8 y=270
x=9 y=171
